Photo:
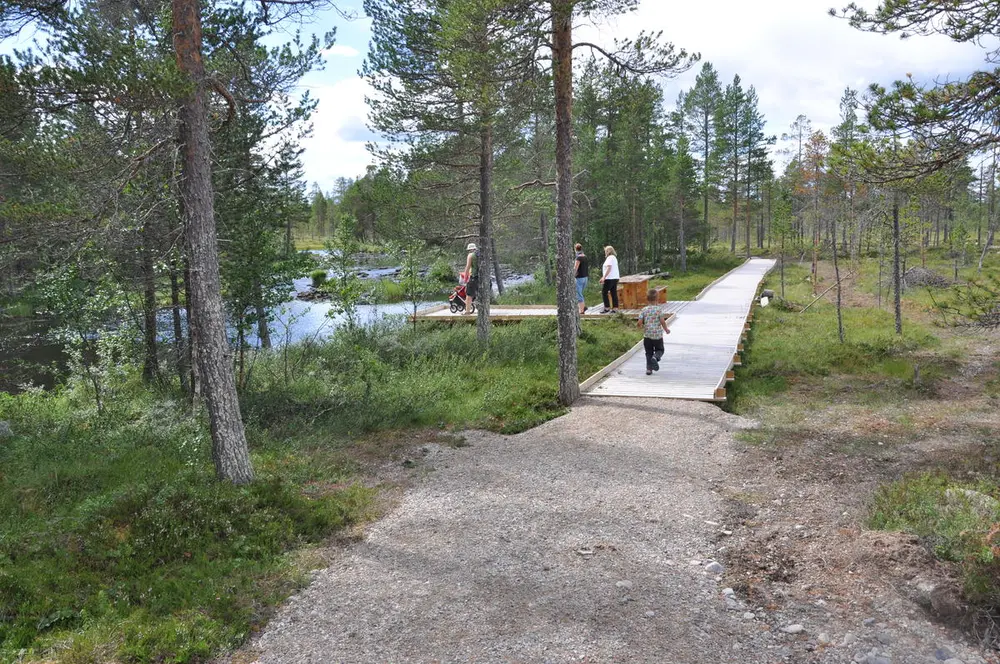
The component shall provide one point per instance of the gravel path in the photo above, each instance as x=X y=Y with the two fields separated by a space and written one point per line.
x=573 y=541
x=588 y=539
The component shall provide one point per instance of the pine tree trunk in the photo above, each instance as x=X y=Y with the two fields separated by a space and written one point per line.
x=782 y=265
x=748 y=212
x=815 y=257
x=498 y=275
x=543 y=222
x=263 y=328
x=566 y=309
x=836 y=275
x=485 y=232
x=180 y=352
x=229 y=445
x=897 y=286
x=707 y=230
x=681 y=241
x=192 y=342
x=151 y=365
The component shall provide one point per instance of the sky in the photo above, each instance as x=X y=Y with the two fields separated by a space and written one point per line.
x=793 y=52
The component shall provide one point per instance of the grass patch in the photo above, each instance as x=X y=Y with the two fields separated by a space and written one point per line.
x=366 y=381
x=954 y=519
x=117 y=542
x=17 y=310
x=787 y=349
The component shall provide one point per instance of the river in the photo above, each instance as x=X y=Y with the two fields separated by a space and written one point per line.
x=27 y=356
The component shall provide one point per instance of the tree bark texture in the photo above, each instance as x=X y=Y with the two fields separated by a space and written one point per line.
x=151 y=365
x=180 y=353
x=566 y=306
x=485 y=232
x=192 y=341
x=836 y=275
x=229 y=445
x=681 y=241
x=497 y=274
x=897 y=286
x=707 y=227
x=543 y=222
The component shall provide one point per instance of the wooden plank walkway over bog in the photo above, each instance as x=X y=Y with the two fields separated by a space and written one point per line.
x=703 y=345
x=522 y=312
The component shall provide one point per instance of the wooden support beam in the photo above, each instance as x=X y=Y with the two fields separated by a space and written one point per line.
x=730 y=376
x=739 y=348
x=720 y=393
x=737 y=362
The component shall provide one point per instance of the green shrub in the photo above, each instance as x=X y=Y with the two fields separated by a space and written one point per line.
x=118 y=520
x=954 y=519
x=318 y=278
x=442 y=271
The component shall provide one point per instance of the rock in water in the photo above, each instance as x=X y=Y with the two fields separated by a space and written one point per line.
x=5 y=431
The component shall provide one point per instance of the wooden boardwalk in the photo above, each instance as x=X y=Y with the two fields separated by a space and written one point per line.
x=702 y=347
x=522 y=312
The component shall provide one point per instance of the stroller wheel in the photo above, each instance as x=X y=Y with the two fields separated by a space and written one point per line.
x=454 y=308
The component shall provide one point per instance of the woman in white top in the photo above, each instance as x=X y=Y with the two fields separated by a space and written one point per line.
x=610 y=277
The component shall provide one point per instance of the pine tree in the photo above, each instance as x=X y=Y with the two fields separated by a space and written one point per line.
x=701 y=104
x=730 y=123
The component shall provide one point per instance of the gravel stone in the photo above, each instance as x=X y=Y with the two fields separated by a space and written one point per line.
x=953 y=660
x=714 y=568
x=508 y=550
x=454 y=572
x=944 y=653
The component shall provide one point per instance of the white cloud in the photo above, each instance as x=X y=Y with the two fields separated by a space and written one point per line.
x=337 y=145
x=342 y=50
x=798 y=58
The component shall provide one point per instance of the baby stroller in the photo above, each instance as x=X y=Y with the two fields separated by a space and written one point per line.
x=456 y=301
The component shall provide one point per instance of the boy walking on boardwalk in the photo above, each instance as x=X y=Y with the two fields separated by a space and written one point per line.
x=653 y=321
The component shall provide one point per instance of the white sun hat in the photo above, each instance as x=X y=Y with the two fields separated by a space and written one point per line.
x=471 y=247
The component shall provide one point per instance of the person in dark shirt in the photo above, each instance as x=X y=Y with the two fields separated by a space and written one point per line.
x=581 y=276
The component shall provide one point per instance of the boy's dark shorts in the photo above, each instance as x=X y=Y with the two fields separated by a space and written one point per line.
x=472 y=289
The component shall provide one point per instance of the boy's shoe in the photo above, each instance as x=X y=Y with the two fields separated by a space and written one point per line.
x=614 y=311
x=606 y=311
x=656 y=365
x=649 y=372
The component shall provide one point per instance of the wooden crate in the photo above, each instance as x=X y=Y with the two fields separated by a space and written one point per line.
x=661 y=294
